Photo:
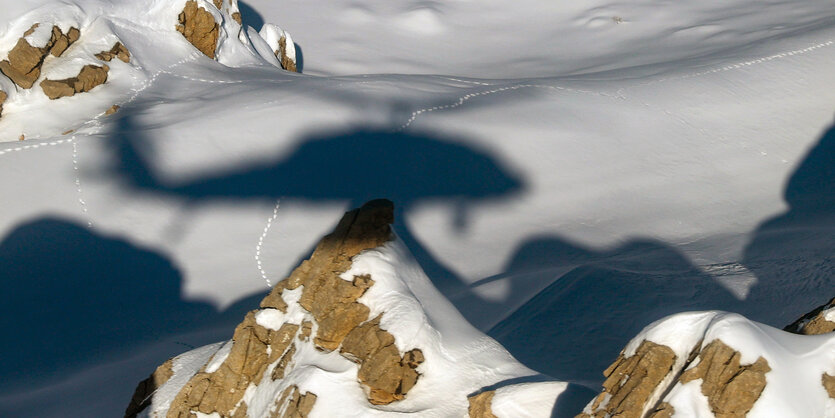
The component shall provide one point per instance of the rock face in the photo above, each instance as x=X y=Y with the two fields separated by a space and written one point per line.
x=815 y=322
x=199 y=27
x=631 y=382
x=731 y=389
x=634 y=384
x=23 y=65
x=481 y=405
x=264 y=344
x=89 y=77
x=117 y=51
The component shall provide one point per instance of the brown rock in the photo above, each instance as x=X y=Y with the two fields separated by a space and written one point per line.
x=117 y=51
x=481 y=405
x=386 y=374
x=813 y=323
x=278 y=372
x=199 y=27
x=222 y=390
x=829 y=384
x=664 y=410
x=293 y=404
x=731 y=389
x=61 y=41
x=23 y=65
x=286 y=63
x=89 y=77
x=112 y=110
x=218 y=3
x=146 y=388
x=3 y=97
x=631 y=381
x=237 y=18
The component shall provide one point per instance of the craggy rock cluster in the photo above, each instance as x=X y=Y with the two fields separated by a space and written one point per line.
x=199 y=27
x=294 y=404
x=634 y=384
x=632 y=381
x=264 y=350
x=23 y=65
x=815 y=322
x=89 y=77
x=117 y=51
x=731 y=389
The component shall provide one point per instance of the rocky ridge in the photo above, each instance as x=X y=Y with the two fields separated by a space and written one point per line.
x=329 y=318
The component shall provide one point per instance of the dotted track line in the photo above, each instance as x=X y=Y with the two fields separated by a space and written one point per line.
x=743 y=64
x=465 y=98
x=35 y=146
x=260 y=244
x=78 y=190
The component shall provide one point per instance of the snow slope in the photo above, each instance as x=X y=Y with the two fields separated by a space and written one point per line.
x=688 y=175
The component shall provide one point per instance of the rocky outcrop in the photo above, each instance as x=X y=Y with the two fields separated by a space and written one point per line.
x=142 y=395
x=88 y=78
x=387 y=375
x=481 y=405
x=634 y=384
x=731 y=389
x=199 y=27
x=3 y=97
x=264 y=345
x=23 y=65
x=631 y=382
x=815 y=322
x=294 y=404
x=287 y=62
x=117 y=51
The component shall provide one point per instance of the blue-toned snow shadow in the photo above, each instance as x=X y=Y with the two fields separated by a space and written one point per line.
x=250 y=16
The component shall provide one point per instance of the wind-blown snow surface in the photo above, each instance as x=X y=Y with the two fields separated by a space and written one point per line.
x=561 y=214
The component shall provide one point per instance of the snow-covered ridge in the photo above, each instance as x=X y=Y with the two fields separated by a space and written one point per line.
x=356 y=330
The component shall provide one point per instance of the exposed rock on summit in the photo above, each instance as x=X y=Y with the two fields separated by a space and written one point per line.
x=88 y=78
x=265 y=344
x=199 y=27
x=23 y=65
x=640 y=385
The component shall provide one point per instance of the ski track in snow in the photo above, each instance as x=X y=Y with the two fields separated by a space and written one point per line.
x=260 y=244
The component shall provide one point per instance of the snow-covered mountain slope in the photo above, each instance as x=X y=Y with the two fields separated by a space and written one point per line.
x=357 y=330
x=596 y=202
